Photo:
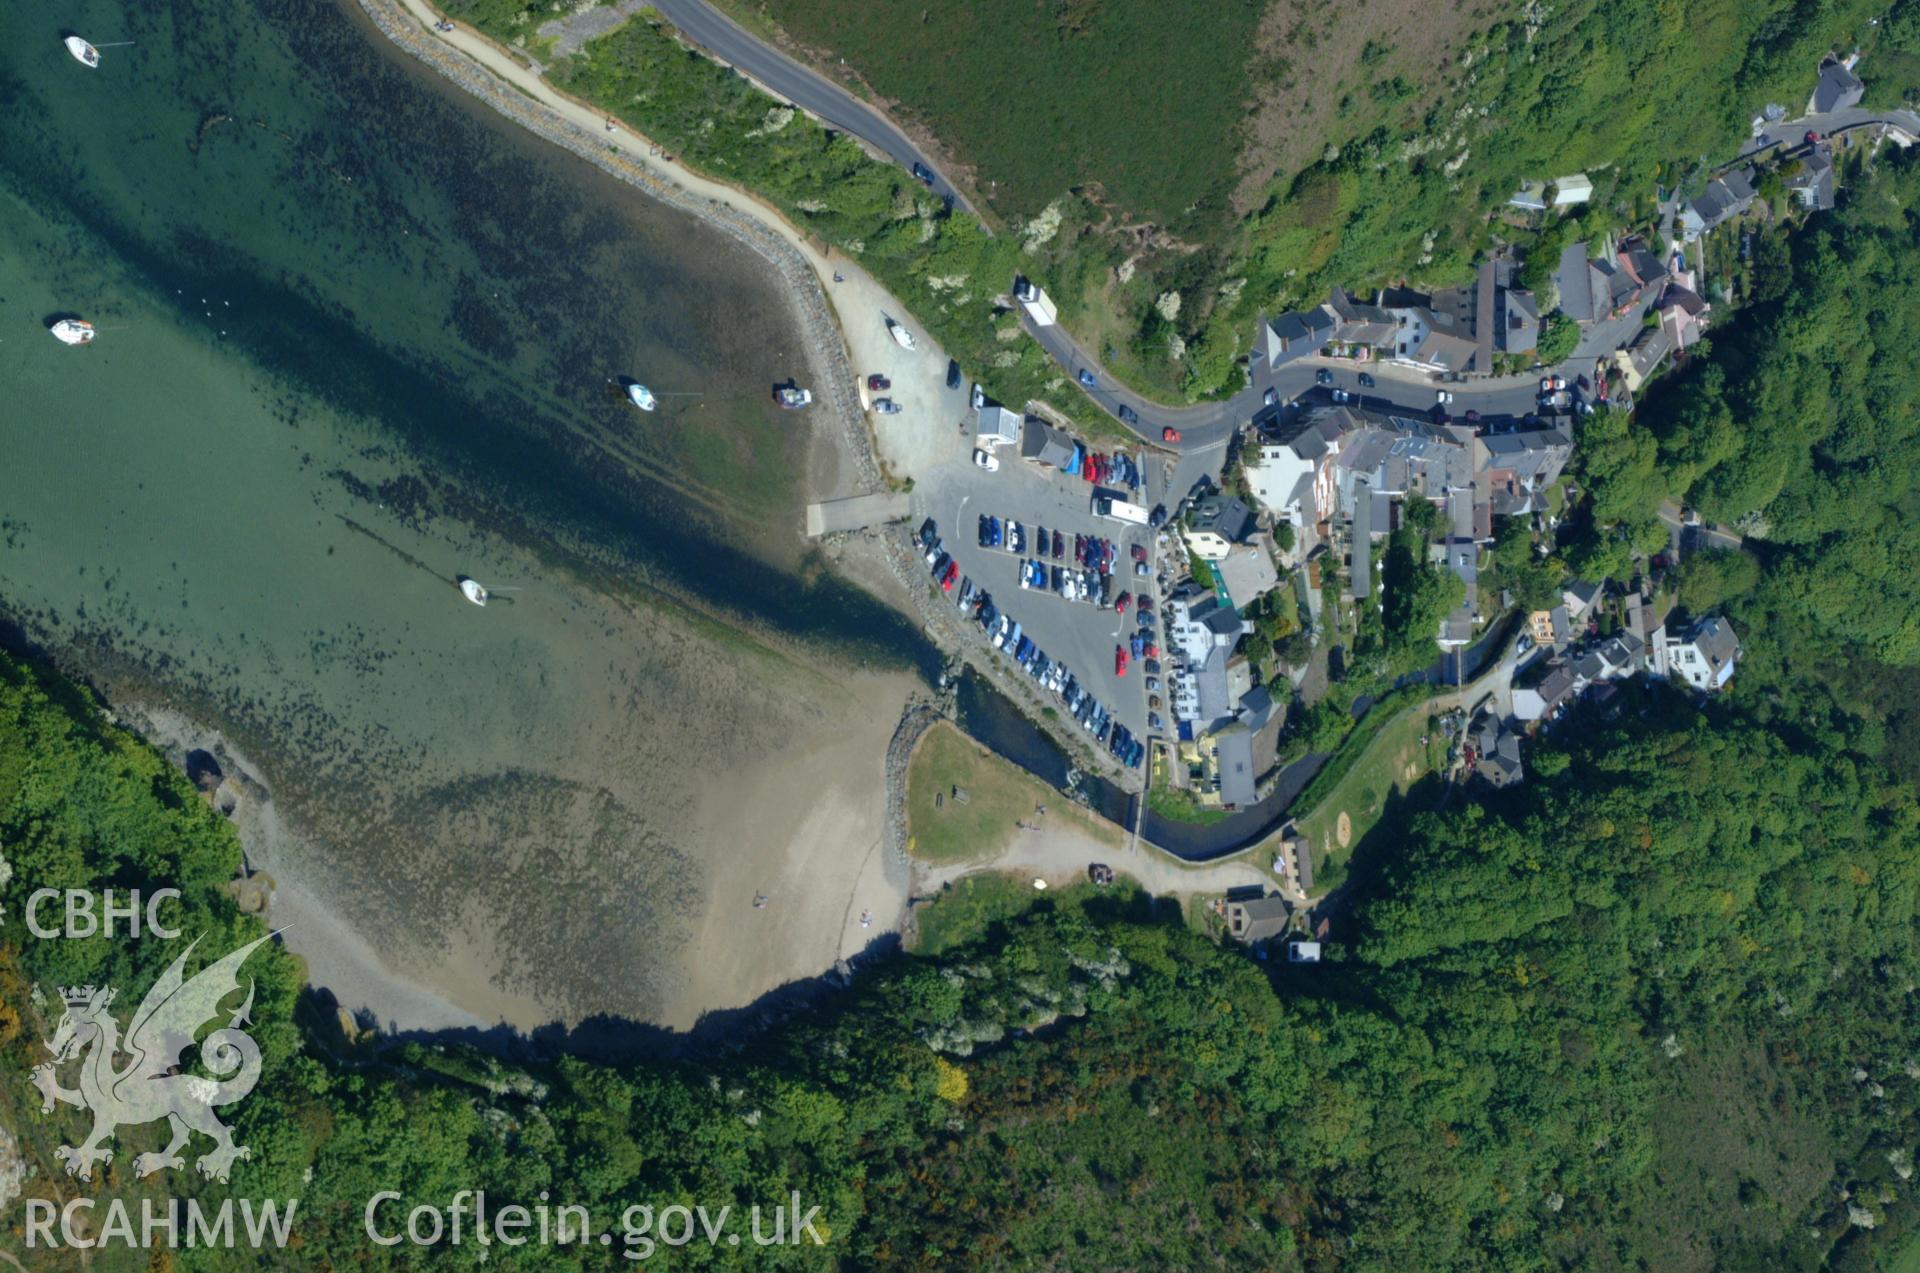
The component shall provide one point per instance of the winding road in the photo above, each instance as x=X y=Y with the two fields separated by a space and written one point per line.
x=1203 y=425
x=812 y=92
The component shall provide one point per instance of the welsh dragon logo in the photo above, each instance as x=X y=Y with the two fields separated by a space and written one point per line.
x=149 y=1085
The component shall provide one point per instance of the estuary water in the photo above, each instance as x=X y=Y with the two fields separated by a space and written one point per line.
x=358 y=337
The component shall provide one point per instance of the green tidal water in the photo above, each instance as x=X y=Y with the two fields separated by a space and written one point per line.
x=357 y=334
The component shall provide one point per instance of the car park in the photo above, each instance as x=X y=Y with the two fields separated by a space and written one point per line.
x=986 y=460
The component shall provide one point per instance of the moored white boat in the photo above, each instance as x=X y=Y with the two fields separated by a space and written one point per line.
x=641 y=397
x=474 y=590
x=73 y=331
x=83 y=53
x=901 y=336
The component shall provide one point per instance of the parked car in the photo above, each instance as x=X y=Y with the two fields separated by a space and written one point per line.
x=1127 y=415
x=878 y=382
x=979 y=396
x=1158 y=517
x=1086 y=378
x=923 y=174
x=1442 y=397
x=986 y=460
x=1366 y=381
x=1341 y=395
x=1169 y=434
x=886 y=406
x=953 y=374
x=952 y=573
x=1059 y=545
x=1271 y=397
x=1323 y=377
x=1121 y=602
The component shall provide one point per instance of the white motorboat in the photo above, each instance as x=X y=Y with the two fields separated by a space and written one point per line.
x=901 y=336
x=641 y=397
x=73 y=331
x=474 y=590
x=83 y=53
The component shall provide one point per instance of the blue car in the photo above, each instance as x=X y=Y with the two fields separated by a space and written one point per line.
x=1086 y=378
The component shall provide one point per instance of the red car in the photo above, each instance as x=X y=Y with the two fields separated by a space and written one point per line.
x=1169 y=434
x=1121 y=602
x=877 y=382
x=1119 y=660
x=1152 y=651
x=1139 y=552
x=953 y=573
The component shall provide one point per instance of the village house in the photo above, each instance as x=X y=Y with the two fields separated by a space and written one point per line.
x=1257 y=919
x=1725 y=198
x=1837 y=89
x=1046 y=445
x=1216 y=523
x=1809 y=179
x=1496 y=751
x=1454 y=331
x=1703 y=655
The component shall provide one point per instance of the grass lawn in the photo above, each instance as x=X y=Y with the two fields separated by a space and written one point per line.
x=971 y=906
x=1178 y=806
x=999 y=795
x=1392 y=763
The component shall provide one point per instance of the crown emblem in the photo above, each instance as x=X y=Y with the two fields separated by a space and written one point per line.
x=77 y=996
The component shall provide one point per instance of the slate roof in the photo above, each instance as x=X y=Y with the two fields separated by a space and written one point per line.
x=1045 y=444
x=1837 y=89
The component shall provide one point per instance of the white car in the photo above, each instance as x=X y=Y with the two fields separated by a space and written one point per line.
x=1442 y=396
x=986 y=459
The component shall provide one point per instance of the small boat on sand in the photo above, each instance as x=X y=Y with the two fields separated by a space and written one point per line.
x=474 y=590
x=901 y=336
x=641 y=397
x=793 y=397
x=83 y=53
x=72 y=331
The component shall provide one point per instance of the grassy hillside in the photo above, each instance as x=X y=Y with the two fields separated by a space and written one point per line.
x=1143 y=101
x=1283 y=149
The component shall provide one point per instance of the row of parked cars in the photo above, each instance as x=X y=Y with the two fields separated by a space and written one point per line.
x=1004 y=634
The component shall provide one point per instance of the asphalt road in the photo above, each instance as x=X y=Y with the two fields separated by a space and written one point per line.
x=1207 y=424
x=785 y=78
